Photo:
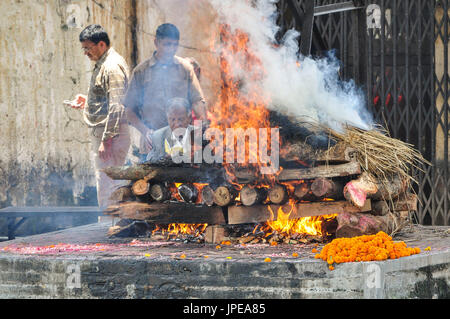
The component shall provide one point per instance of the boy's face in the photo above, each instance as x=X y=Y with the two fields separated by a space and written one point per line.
x=178 y=117
x=166 y=48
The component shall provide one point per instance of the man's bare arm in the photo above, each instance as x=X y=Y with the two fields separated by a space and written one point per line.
x=200 y=110
x=135 y=121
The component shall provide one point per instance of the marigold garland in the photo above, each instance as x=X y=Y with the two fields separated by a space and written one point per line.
x=364 y=248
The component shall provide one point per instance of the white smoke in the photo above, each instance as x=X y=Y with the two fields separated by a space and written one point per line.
x=311 y=91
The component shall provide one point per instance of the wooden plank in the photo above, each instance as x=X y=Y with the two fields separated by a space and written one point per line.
x=170 y=212
x=261 y=213
x=216 y=234
x=164 y=174
x=324 y=171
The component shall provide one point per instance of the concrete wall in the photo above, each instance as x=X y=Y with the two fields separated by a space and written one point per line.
x=28 y=277
x=44 y=154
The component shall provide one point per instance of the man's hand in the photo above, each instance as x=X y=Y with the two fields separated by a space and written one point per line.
x=79 y=102
x=105 y=150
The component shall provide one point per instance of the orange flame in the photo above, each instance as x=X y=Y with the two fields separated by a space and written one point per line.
x=174 y=230
x=284 y=225
x=237 y=107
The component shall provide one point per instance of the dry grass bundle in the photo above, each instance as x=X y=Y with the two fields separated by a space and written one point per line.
x=381 y=155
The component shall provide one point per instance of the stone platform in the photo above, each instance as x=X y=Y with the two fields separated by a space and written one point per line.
x=82 y=262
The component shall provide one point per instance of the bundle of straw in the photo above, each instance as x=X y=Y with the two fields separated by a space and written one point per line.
x=381 y=155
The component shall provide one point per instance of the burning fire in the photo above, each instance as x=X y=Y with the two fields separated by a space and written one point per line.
x=174 y=230
x=234 y=109
x=240 y=106
x=289 y=227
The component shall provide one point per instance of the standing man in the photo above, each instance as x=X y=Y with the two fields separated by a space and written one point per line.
x=103 y=111
x=154 y=82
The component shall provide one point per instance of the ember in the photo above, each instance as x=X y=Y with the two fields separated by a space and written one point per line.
x=72 y=248
x=182 y=232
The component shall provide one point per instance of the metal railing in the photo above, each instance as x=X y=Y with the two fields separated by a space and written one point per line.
x=398 y=52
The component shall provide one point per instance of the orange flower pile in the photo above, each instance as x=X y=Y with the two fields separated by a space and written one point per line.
x=364 y=248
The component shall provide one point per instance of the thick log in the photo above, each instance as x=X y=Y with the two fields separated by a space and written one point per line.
x=408 y=202
x=327 y=188
x=253 y=195
x=278 y=194
x=357 y=191
x=140 y=187
x=261 y=213
x=159 y=192
x=122 y=194
x=188 y=193
x=392 y=189
x=209 y=174
x=171 y=212
x=326 y=171
x=352 y=225
x=165 y=174
x=338 y=154
x=207 y=195
x=380 y=208
x=302 y=192
x=225 y=195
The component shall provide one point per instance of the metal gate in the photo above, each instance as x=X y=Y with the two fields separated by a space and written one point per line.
x=397 y=51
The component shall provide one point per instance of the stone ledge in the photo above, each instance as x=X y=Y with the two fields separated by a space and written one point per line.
x=228 y=272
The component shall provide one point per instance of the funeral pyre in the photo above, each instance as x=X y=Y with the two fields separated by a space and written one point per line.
x=301 y=182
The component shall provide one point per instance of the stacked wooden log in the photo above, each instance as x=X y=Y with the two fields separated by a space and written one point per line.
x=392 y=206
x=207 y=194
